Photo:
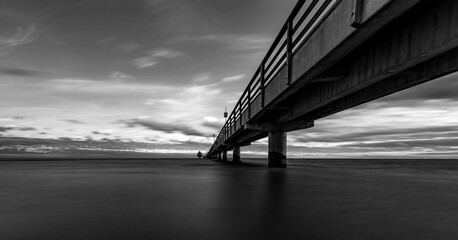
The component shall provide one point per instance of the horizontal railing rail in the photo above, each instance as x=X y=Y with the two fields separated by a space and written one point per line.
x=300 y=24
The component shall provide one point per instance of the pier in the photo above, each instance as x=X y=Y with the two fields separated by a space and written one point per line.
x=330 y=56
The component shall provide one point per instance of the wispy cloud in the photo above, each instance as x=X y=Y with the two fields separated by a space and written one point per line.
x=122 y=76
x=106 y=40
x=233 y=78
x=445 y=89
x=109 y=87
x=129 y=46
x=5 y=129
x=160 y=6
x=236 y=42
x=74 y=121
x=27 y=129
x=144 y=62
x=17 y=72
x=213 y=123
x=100 y=133
x=163 y=127
x=155 y=56
x=202 y=77
x=22 y=36
x=185 y=102
x=165 y=53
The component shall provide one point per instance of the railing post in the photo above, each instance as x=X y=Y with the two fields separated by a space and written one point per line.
x=289 y=50
x=249 y=101
x=240 y=112
x=357 y=14
x=263 y=82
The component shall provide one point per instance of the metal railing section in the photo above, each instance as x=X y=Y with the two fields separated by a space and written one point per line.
x=301 y=23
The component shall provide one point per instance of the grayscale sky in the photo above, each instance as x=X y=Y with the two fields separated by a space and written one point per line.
x=154 y=76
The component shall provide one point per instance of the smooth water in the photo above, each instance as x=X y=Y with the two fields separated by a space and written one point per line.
x=204 y=199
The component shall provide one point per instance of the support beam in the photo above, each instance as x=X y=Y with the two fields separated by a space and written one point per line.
x=225 y=155
x=277 y=149
x=274 y=126
x=219 y=156
x=236 y=154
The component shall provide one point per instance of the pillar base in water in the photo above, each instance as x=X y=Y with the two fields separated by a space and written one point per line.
x=236 y=154
x=277 y=149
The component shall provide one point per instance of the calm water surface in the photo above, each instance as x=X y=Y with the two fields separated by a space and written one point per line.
x=204 y=199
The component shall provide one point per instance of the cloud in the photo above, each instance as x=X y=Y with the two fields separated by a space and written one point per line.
x=188 y=103
x=23 y=35
x=236 y=42
x=199 y=78
x=212 y=122
x=419 y=143
x=371 y=134
x=73 y=121
x=443 y=88
x=165 y=53
x=19 y=72
x=87 y=147
x=163 y=127
x=100 y=133
x=5 y=129
x=27 y=129
x=144 y=62
x=111 y=87
x=106 y=40
x=161 y=6
x=233 y=78
x=215 y=126
x=122 y=76
x=129 y=46
x=155 y=56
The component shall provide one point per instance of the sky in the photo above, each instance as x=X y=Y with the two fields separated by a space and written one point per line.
x=117 y=78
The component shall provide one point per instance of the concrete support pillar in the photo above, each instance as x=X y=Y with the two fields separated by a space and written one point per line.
x=277 y=149
x=236 y=154
x=219 y=156
x=225 y=155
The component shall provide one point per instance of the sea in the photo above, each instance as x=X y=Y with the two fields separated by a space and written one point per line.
x=207 y=199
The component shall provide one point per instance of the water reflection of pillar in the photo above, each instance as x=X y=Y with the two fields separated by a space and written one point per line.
x=274 y=204
x=238 y=202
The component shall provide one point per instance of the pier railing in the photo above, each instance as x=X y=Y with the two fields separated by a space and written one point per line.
x=301 y=23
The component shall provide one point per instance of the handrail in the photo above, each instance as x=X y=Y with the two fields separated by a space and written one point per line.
x=279 y=54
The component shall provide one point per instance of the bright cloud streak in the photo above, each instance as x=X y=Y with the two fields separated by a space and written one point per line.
x=155 y=56
x=233 y=78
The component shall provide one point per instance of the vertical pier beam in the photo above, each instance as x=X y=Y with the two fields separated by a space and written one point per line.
x=277 y=149
x=225 y=155
x=236 y=154
x=219 y=156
